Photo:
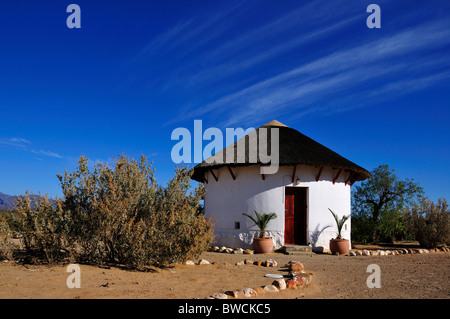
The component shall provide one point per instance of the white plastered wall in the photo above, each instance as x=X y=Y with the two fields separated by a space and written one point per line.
x=227 y=199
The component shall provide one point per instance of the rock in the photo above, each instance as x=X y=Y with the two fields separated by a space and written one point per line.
x=271 y=288
x=291 y=284
x=248 y=262
x=293 y=273
x=222 y=249
x=295 y=266
x=358 y=253
x=405 y=251
x=227 y=264
x=260 y=290
x=203 y=262
x=219 y=295
x=258 y=263
x=229 y=250
x=215 y=248
x=249 y=292
x=235 y=294
x=270 y=263
x=303 y=279
x=189 y=263
x=239 y=263
x=280 y=284
x=248 y=251
x=299 y=281
x=365 y=252
x=216 y=263
x=352 y=253
x=239 y=251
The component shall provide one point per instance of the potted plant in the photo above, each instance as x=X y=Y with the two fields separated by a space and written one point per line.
x=339 y=244
x=262 y=244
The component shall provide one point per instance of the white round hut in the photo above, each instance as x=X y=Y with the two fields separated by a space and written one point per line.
x=310 y=180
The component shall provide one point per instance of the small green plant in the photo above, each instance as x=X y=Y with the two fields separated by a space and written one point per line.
x=261 y=221
x=339 y=223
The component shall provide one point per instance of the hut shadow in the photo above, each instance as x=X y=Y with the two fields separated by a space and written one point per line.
x=314 y=238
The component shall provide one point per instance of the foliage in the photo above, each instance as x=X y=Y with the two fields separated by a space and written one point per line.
x=118 y=215
x=261 y=221
x=378 y=203
x=41 y=222
x=6 y=244
x=339 y=222
x=429 y=222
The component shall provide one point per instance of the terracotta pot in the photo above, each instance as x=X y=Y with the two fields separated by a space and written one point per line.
x=263 y=245
x=341 y=246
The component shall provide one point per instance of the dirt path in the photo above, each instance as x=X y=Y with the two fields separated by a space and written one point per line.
x=424 y=276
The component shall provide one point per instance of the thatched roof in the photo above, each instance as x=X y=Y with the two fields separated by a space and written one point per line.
x=295 y=149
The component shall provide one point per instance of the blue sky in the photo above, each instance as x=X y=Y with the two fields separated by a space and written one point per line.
x=136 y=70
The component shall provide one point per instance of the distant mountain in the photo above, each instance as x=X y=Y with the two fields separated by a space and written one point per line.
x=7 y=201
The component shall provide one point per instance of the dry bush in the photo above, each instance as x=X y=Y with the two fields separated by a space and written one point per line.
x=120 y=215
x=42 y=224
x=6 y=245
x=116 y=215
x=429 y=222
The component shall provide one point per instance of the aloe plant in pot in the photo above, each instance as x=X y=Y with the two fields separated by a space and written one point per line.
x=262 y=244
x=339 y=244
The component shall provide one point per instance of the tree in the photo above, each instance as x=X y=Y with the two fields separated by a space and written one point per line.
x=377 y=204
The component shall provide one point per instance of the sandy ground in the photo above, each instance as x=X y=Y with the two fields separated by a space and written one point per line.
x=421 y=276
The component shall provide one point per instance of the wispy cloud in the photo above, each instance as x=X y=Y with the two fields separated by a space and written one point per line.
x=47 y=153
x=14 y=141
x=27 y=146
x=328 y=75
x=194 y=32
x=237 y=77
x=228 y=68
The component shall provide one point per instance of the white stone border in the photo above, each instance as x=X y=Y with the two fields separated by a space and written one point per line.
x=402 y=251
x=299 y=279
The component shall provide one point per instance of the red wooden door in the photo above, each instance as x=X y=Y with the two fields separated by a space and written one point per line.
x=295 y=216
